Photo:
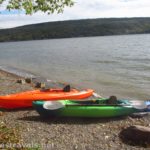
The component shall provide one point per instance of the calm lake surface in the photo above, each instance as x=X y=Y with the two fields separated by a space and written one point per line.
x=111 y=65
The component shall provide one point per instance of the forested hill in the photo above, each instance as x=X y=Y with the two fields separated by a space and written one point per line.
x=77 y=28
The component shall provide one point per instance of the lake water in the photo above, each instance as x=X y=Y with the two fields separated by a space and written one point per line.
x=111 y=65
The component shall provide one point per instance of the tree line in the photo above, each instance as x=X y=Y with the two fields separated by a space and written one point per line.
x=77 y=28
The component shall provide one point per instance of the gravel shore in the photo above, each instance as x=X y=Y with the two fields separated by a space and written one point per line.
x=64 y=133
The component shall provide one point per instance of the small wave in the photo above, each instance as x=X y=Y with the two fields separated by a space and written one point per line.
x=17 y=71
x=143 y=60
x=105 y=61
x=139 y=68
x=145 y=68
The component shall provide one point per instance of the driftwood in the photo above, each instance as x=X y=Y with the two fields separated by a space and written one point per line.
x=136 y=134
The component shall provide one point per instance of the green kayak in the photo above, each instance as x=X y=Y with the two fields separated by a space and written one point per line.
x=97 y=108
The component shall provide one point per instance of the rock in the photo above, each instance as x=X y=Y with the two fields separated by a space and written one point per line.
x=136 y=134
x=1 y=113
x=40 y=85
x=22 y=81
x=28 y=80
x=139 y=115
x=39 y=79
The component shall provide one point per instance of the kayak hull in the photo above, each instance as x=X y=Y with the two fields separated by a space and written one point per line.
x=24 y=99
x=93 y=111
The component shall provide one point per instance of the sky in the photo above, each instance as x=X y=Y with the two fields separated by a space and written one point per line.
x=82 y=9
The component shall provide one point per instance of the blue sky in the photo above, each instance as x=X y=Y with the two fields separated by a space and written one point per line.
x=81 y=10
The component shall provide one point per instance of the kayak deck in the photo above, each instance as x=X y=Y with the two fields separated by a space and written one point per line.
x=85 y=109
x=24 y=99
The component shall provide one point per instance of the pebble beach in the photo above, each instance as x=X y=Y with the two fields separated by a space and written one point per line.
x=33 y=132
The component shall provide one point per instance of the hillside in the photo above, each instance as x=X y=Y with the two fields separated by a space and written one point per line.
x=77 y=28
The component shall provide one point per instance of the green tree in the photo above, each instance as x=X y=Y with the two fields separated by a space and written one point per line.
x=32 y=6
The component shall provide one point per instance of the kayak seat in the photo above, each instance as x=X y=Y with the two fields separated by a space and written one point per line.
x=112 y=100
x=67 y=88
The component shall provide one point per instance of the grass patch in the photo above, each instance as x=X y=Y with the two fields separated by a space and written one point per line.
x=10 y=139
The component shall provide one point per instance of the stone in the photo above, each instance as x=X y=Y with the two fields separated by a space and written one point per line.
x=40 y=85
x=139 y=115
x=1 y=113
x=137 y=134
x=21 y=81
x=28 y=80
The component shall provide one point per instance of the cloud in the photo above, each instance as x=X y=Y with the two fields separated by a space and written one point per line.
x=81 y=10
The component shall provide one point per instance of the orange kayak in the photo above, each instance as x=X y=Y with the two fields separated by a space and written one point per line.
x=24 y=99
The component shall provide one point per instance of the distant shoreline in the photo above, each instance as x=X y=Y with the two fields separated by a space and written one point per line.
x=77 y=28
x=71 y=38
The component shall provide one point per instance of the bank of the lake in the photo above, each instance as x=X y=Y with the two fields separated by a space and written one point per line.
x=61 y=133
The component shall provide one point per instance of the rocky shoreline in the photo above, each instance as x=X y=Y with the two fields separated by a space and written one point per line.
x=63 y=133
